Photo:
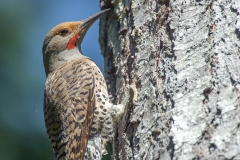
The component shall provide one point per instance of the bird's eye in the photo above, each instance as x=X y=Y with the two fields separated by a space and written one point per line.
x=64 y=31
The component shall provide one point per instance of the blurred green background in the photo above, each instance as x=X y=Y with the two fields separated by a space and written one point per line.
x=23 y=26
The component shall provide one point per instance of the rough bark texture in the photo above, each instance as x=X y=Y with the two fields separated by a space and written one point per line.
x=175 y=65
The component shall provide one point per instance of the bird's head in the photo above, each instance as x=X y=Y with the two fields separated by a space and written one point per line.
x=62 y=43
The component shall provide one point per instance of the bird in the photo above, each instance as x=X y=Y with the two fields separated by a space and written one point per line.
x=76 y=101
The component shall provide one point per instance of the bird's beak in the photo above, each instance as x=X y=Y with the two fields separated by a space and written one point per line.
x=87 y=23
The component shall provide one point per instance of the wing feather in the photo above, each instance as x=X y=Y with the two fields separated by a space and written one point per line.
x=69 y=106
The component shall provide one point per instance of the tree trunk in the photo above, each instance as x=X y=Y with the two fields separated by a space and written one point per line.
x=175 y=66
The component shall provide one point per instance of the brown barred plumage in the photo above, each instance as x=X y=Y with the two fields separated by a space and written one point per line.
x=70 y=100
x=76 y=103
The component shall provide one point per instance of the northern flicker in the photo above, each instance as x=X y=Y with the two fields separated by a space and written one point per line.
x=76 y=100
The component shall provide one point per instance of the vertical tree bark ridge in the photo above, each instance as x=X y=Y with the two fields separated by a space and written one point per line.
x=223 y=118
x=177 y=64
x=136 y=49
x=207 y=123
x=190 y=23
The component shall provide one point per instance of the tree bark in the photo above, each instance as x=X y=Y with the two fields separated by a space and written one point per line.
x=175 y=66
